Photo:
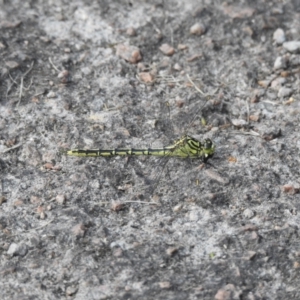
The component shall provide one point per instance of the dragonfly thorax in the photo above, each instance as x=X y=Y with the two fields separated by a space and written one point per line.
x=189 y=147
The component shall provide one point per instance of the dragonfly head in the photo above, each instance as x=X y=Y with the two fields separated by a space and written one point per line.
x=208 y=149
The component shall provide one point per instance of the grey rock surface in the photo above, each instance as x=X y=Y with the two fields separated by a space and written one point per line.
x=90 y=74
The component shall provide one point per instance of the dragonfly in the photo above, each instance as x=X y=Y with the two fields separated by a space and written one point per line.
x=185 y=147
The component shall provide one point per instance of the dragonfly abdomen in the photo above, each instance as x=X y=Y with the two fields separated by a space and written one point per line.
x=118 y=152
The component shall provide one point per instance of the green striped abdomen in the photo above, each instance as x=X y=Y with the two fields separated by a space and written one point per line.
x=118 y=152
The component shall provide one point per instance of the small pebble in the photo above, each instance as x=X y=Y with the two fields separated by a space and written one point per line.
x=79 y=230
x=131 y=54
x=238 y=12
x=292 y=46
x=248 y=30
x=118 y=252
x=64 y=76
x=272 y=134
x=40 y=209
x=285 y=92
x=232 y=159
x=171 y=251
x=35 y=200
x=277 y=83
x=194 y=57
x=12 y=249
x=229 y=291
x=289 y=101
x=290 y=189
x=182 y=47
x=63 y=73
x=279 y=36
x=165 y=285
x=8 y=24
x=146 y=77
x=71 y=290
x=142 y=66
x=12 y=64
x=131 y=31
x=177 y=67
x=249 y=227
x=239 y=122
x=280 y=63
x=17 y=249
x=197 y=29
x=217 y=177
x=249 y=255
x=35 y=99
x=294 y=60
x=18 y=202
x=248 y=213
x=264 y=83
x=296 y=265
x=2 y=199
x=51 y=94
x=177 y=208
x=60 y=199
x=167 y=49
x=48 y=166
x=254 y=118
x=117 y=206
x=45 y=39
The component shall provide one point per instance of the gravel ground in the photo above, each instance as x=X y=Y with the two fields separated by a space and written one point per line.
x=140 y=74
